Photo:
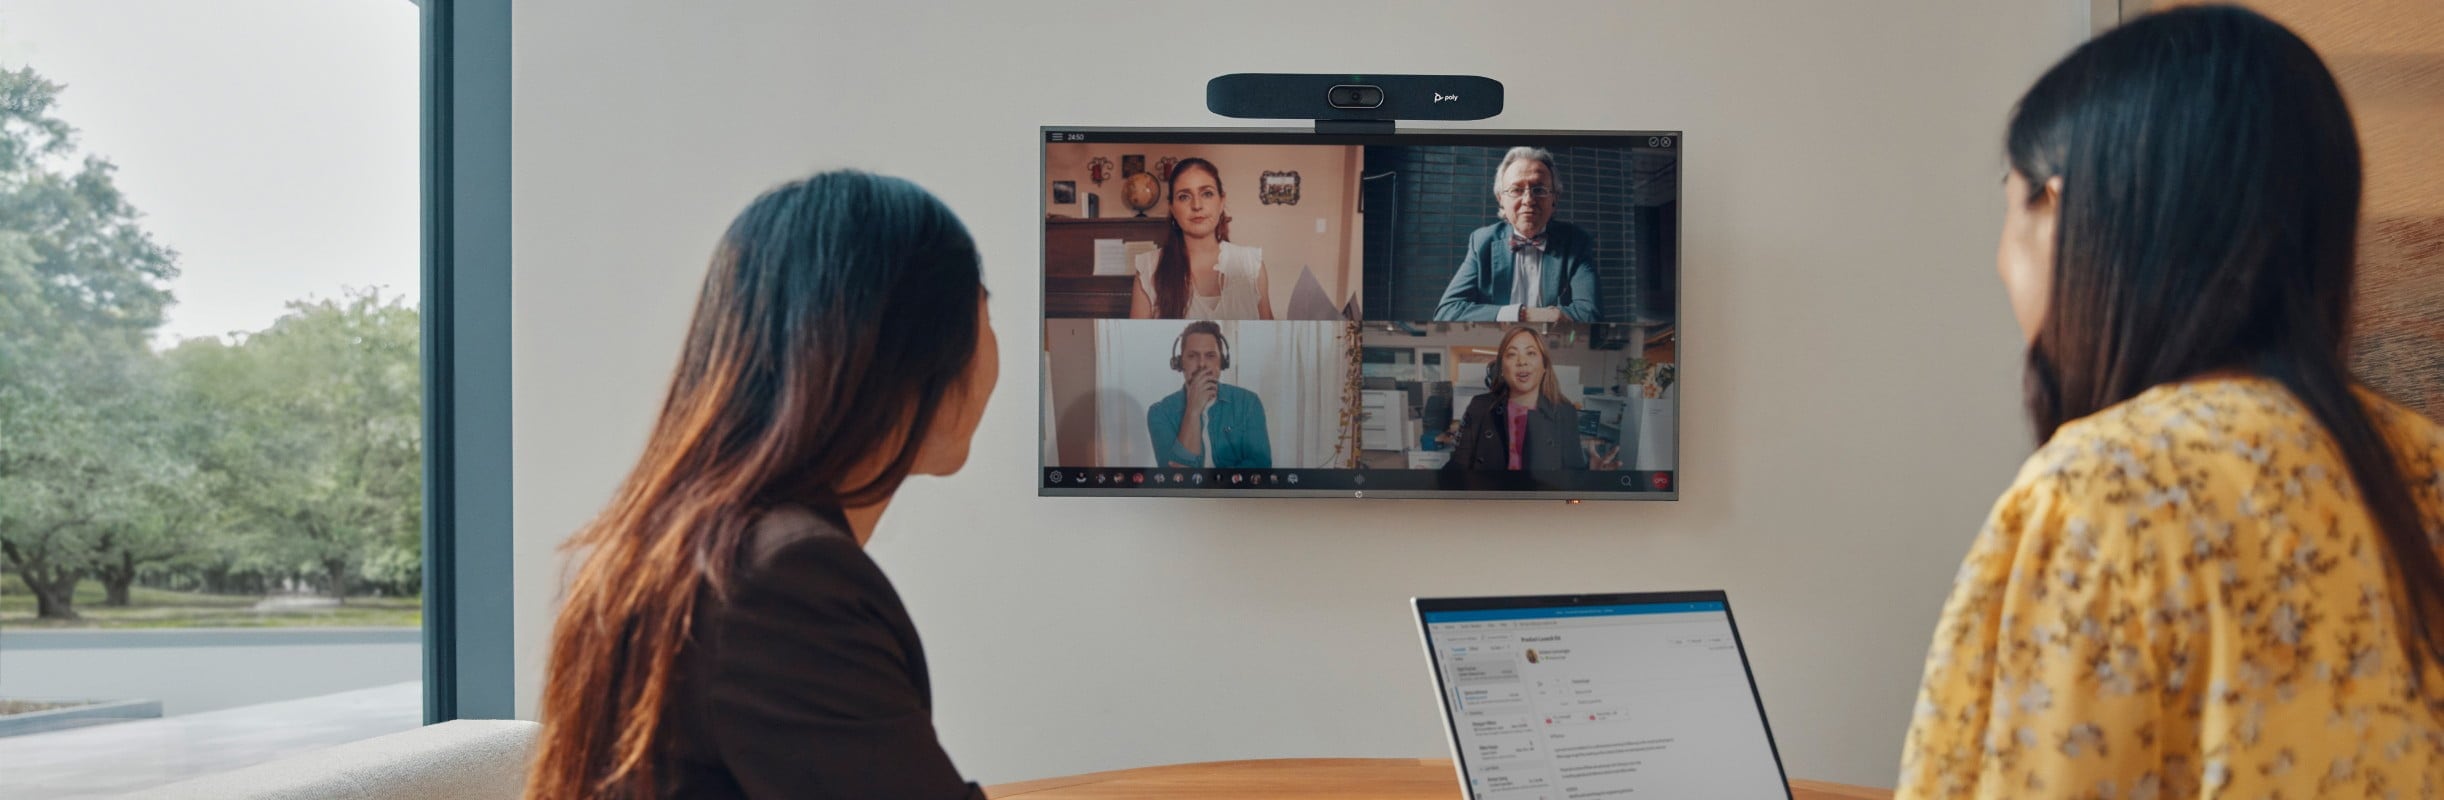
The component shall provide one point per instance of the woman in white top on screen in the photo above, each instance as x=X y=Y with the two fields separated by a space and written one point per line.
x=1198 y=273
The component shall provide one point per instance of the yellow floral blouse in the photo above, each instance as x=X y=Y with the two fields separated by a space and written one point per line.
x=2181 y=597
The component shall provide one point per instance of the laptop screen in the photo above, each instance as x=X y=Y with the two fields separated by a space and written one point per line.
x=1606 y=696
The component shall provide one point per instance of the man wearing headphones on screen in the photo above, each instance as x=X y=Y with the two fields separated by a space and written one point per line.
x=1529 y=267
x=1207 y=423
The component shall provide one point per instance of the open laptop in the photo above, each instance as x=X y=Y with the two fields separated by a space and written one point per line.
x=1610 y=696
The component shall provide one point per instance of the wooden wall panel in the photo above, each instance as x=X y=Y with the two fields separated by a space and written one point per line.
x=2389 y=57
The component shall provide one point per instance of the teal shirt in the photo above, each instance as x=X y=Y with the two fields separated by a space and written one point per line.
x=1234 y=425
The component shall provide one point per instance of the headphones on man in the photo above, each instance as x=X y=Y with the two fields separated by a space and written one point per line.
x=1206 y=327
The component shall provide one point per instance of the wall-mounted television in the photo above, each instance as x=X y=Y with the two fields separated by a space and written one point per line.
x=1248 y=312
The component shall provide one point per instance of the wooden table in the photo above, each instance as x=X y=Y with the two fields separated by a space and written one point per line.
x=1298 y=778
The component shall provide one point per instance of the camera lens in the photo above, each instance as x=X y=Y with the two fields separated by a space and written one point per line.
x=1354 y=97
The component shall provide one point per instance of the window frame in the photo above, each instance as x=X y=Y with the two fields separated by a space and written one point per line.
x=464 y=94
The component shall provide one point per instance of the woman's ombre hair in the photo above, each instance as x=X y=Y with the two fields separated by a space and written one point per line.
x=839 y=313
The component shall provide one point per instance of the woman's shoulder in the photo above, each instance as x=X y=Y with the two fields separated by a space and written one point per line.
x=2205 y=411
x=2230 y=416
x=2139 y=479
x=799 y=575
x=2139 y=436
x=2222 y=446
x=1244 y=257
x=1483 y=404
x=795 y=548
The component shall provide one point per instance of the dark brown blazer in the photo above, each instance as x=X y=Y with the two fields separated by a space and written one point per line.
x=807 y=681
x=1485 y=432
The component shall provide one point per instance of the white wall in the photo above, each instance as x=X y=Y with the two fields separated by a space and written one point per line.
x=1850 y=369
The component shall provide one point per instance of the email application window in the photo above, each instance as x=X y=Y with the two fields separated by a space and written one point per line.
x=1580 y=703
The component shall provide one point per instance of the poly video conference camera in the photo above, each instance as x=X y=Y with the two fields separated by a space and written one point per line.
x=1354 y=97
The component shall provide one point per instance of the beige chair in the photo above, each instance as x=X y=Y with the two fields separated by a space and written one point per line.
x=474 y=759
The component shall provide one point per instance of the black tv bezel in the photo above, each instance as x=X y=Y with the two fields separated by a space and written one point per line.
x=1673 y=140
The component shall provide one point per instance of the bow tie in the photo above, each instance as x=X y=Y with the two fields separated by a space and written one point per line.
x=1519 y=243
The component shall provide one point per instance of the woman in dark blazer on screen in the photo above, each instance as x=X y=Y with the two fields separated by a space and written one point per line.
x=726 y=635
x=1523 y=421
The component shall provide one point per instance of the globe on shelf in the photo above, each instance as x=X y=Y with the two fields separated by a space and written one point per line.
x=1141 y=191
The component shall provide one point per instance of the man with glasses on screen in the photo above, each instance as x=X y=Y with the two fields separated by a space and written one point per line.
x=1207 y=423
x=1528 y=267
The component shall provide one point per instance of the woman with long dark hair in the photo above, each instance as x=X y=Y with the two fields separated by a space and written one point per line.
x=1199 y=273
x=726 y=635
x=2218 y=575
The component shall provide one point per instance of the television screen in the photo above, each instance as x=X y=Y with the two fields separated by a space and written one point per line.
x=1434 y=313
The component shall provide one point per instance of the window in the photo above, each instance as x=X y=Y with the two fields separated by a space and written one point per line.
x=212 y=426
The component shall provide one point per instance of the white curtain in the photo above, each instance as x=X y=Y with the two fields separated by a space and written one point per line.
x=1131 y=373
x=1299 y=369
